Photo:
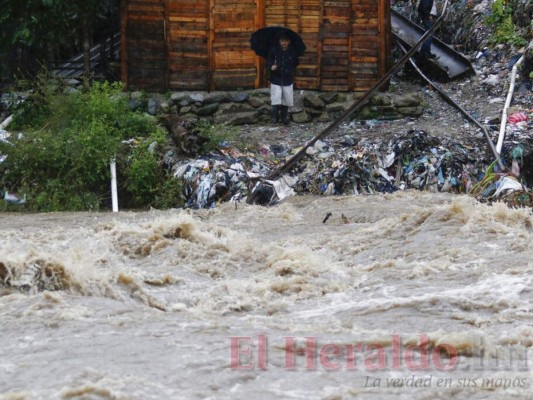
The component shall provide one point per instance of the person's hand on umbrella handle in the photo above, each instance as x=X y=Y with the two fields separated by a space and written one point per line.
x=275 y=66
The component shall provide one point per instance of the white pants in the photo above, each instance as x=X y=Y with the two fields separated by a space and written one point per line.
x=281 y=95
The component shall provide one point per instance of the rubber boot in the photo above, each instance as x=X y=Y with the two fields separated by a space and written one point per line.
x=275 y=114
x=284 y=115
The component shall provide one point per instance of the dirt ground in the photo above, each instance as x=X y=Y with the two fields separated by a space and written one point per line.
x=439 y=119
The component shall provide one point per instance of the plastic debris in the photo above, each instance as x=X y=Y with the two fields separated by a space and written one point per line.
x=507 y=183
x=516 y=118
x=13 y=199
x=414 y=160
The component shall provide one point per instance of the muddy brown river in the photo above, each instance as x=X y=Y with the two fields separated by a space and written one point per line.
x=405 y=296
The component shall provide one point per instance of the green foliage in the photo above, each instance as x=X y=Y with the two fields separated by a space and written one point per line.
x=506 y=33
x=61 y=161
x=170 y=194
x=213 y=135
x=44 y=31
x=498 y=12
x=488 y=179
x=143 y=173
x=504 y=29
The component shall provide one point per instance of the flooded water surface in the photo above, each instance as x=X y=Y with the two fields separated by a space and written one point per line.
x=411 y=296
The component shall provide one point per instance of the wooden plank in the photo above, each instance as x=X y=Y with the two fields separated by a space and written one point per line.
x=365 y=82
x=334 y=41
x=330 y=29
x=144 y=52
x=362 y=72
x=329 y=61
x=326 y=76
x=360 y=38
x=159 y=64
x=186 y=83
x=336 y=68
x=336 y=48
x=179 y=37
x=183 y=19
x=372 y=3
x=233 y=62
x=384 y=19
x=335 y=88
x=336 y=55
x=260 y=65
x=366 y=31
x=366 y=22
x=192 y=75
x=146 y=30
x=140 y=53
x=190 y=26
x=146 y=9
x=361 y=60
x=233 y=80
x=366 y=9
x=188 y=8
x=302 y=72
x=155 y=74
x=210 y=50
x=144 y=17
x=337 y=3
x=173 y=4
x=133 y=3
x=190 y=45
x=230 y=4
x=365 y=45
x=358 y=52
x=305 y=84
x=335 y=81
x=337 y=12
x=123 y=42
x=222 y=61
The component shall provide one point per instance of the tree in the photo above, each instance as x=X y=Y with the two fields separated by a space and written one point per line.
x=42 y=32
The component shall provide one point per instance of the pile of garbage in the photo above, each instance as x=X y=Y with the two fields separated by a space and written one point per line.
x=342 y=166
x=218 y=177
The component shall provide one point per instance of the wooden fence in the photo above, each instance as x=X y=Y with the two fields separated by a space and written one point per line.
x=205 y=44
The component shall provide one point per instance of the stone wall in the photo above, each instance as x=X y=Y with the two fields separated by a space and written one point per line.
x=253 y=107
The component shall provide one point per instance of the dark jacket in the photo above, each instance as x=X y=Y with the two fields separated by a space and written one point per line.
x=287 y=61
x=424 y=8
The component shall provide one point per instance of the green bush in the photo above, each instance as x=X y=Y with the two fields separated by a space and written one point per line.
x=61 y=158
x=505 y=31
x=212 y=135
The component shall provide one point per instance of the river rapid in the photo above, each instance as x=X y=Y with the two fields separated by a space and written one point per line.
x=409 y=295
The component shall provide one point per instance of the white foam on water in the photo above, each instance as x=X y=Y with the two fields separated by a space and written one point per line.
x=149 y=301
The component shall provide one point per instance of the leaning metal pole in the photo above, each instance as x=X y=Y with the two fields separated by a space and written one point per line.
x=360 y=102
x=461 y=109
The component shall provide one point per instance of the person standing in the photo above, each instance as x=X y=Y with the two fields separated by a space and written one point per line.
x=427 y=12
x=281 y=63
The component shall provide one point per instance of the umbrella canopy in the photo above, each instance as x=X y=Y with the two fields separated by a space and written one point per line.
x=264 y=39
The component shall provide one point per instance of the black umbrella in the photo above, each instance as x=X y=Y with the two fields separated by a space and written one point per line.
x=264 y=39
